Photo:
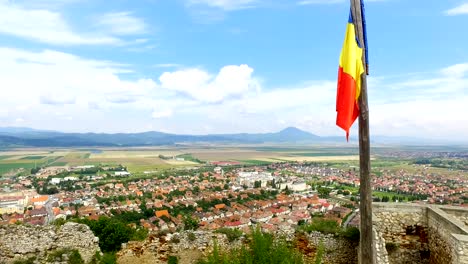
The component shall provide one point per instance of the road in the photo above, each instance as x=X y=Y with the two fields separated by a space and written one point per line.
x=350 y=218
x=50 y=213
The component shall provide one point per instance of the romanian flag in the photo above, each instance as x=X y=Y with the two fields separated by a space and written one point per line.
x=349 y=78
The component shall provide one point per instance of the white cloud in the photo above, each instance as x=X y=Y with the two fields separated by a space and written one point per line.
x=167 y=65
x=231 y=80
x=459 y=10
x=49 y=80
x=122 y=23
x=162 y=113
x=54 y=99
x=227 y=5
x=86 y=92
x=45 y=26
x=315 y=2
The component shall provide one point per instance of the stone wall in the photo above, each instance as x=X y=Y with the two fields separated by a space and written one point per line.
x=420 y=234
x=404 y=232
x=337 y=250
x=158 y=248
x=22 y=241
x=445 y=246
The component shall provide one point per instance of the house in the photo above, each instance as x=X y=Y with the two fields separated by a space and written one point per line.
x=39 y=200
x=37 y=212
x=162 y=213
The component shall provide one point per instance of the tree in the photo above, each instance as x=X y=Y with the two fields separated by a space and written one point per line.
x=257 y=184
x=190 y=223
x=323 y=192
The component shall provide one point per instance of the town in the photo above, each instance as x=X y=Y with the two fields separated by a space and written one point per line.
x=278 y=196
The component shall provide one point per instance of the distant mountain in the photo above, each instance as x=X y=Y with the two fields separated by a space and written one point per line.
x=10 y=137
x=27 y=137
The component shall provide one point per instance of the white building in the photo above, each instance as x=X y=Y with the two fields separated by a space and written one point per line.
x=55 y=180
x=296 y=186
x=249 y=178
x=122 y=173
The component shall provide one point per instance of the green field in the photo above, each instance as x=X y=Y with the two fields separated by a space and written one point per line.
x=378 y=193
x=322 y=154
x=7 y=167
x=140 y=159
x=255 y=162
x=33 y=157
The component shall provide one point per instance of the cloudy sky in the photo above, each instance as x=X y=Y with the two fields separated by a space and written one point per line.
x=225 y=66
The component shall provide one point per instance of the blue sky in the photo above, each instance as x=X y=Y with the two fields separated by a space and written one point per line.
x=225 y=66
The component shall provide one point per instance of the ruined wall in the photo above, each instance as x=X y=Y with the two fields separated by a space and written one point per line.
x=404 y=232
x=420 y=234
x=445 y=247
x=20 y=242
x=337 y=250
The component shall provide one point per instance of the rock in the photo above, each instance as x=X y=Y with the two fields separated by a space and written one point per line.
x=25 y=241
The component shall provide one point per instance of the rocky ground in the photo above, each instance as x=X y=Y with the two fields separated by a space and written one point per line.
x=188 y=249
x=21 y=242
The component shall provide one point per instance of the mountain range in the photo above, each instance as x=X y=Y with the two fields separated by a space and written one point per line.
x=28 y=137
x=17 y=137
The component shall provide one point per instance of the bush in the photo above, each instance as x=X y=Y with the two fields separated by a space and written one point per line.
x=262 y=248
x=320 y=251
x=111 y=232
x=351 y=233
x=74 y=256
x=108 y=258
x=175 y=239
x=322 y=225
x=191 y=236
x=231 y=234
x=140 y=234
x=172 y=260
x=391 y=247
x=25 y=261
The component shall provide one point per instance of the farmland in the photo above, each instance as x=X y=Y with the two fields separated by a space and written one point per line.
x=139 y=159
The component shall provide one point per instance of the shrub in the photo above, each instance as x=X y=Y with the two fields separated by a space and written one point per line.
x=231 y=234
x=262 y=248
x=322 y=225
x=191 y=236
x=320 y=251
x=74 y=256
x=175 y=239
x=351 y=233
x=108 y=258
x=391 y=247
x=172 y=260
x=25 y=261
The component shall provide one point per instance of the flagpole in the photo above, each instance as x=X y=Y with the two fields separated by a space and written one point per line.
x=366 y=244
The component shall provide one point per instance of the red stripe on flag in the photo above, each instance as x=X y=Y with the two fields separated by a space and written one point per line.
x=346 y=104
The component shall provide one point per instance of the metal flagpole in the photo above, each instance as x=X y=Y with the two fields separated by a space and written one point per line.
x=366 y=245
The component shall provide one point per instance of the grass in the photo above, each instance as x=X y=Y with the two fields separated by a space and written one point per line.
x=5 y=157
x=33 y=157
x=256 y=162
x=323 y=154
x=231 y=234
x=59 y=163
x=261 y=248
x=7 y=167
x=378 y=193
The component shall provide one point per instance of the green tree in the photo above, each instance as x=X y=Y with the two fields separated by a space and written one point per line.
x=190 y=223
x=324 y=192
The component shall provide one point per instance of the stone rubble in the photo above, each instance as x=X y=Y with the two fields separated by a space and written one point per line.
x=20 y=242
